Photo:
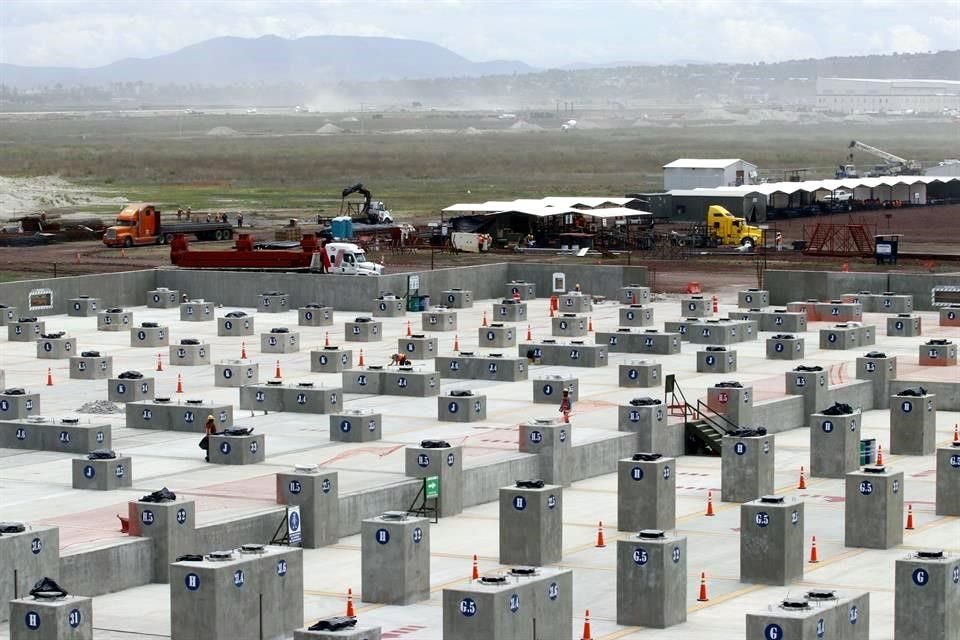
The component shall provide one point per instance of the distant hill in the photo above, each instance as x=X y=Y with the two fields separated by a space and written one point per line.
x=273 y=60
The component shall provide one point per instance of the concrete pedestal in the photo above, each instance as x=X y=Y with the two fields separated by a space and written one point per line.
x=549 y=389
x=197 y=311
x=531 y=525
x=938 y=354
x=189 y=355
x=410 y=382
x=388 y=307
x=56 y=348
x=569 y=325
x=235 y=326
x=634 y=294
x=363 y=330
x=837 y=311
x=103 y=475
x=840 y=336
x=8 y=315
x=646 y=493
x=491 y=367
x=461 y=408
x=496 y=335
x=950 y=316
x=91 y=368
x=280 y=342
x=163 y=298
x=114 y=320
x=446 y=463
x=948 y=481
x=356 y=425
x=438 y=320
x=189 y=416
x=235 y=373
x=354 y=633
x=652 y=580
x=575 y=302
x=458 y=298
x=717 y=360
x=149 y=336
x=881 y=370
x=783 y=320
x=695 y=307
x=747 y=467
x=130 y=389
x=525 y=290
x=367 y=380
x=636 y=315
x=550 y=440
x=318 y=496
x=890 y=302
x=873 y=511
x=25 y=331
x=926 y=596
x=315 y=315
x=735 y=403
x=66 y=435
x=753 y=299
x=794 y=619
x=904 y=325
x=19 y=406
x=574 y=354
x=331 y=360
x=834 y=444
x=273 y=302
x=171 y=527
x=418 y=347
x=36 y=619
x=510 y=311
x=395 y=559
x=303 y=397
x=83 y=307
x=772 y=540
x=247 y=449
x=650 y=341
x=640 y=373
x=913 y=423
x=25 y=559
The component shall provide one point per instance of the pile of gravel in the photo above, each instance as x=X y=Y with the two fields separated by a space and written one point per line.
x=100 y=406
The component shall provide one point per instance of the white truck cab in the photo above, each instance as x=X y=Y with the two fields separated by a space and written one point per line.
x=346 y=257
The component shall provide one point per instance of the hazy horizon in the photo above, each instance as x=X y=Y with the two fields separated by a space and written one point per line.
x=541 y=33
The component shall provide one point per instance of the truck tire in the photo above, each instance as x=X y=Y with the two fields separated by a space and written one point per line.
x=218 y=235
x=128 y=242
x=227 y=234
x=167 y=238
x=748 y=242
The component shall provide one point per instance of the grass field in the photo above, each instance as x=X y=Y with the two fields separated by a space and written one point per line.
x=278 y=163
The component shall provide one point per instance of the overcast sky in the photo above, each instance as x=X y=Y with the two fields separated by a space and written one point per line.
x=543 y=33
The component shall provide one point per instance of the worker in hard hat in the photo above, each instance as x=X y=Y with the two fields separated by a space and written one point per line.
x=209 y=429
x=576 y=287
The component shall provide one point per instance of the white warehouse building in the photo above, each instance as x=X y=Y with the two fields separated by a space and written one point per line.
x=693 y=173
x=879 y=95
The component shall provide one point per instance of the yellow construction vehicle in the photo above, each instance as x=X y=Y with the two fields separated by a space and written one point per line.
x=728 y=229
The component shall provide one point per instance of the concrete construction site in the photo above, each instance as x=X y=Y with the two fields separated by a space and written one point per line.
x=507 y=451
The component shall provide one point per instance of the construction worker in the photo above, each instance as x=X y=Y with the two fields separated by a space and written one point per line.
x=566 y=402
x=398 y=359
x=180 y=213
x=209 y=429
x=239 y=220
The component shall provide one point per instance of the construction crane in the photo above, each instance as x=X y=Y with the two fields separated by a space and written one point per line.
x=894 y=165
x=372 y=212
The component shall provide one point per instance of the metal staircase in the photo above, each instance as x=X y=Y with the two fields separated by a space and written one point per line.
x=704 y=428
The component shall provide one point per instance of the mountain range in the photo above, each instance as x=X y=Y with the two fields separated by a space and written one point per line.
x=272 y=59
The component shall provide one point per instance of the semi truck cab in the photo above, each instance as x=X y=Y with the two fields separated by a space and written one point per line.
x=346 y=257
x=136 y=224
x=730 y=229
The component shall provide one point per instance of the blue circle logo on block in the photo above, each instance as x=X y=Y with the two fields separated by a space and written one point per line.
x=821 y=628
x=294 y=487
x=640 y=556
x=632 y=374
x=547 y=389
x=239 y=578
x=417 y=535
x=827 y=426
x=551 y=502
x=519 y=503
x=854 y=614
x=866 y=487
x=740 y=448
x=382 y=536
x=906 y=406
x=225 y=448
x=146 y=517
x=675 y=554
x=281 y=568
x=423 y=460
x=536 y=436
x=345 y=426
x=666 y=472
x=181 y=516
x=74 y=618
x=955 y=461
x=36 y=546
x=773 y=632
x=468 y=607
x=636 y=473
x=453 y=407
x=89 y=472
x=553 y=591
x=191 y=581
x=326 y=485
x=451 y=459
x=762 y=518
x=956 y=575
x=32 y=620
x=514 y=602
x=920 y=577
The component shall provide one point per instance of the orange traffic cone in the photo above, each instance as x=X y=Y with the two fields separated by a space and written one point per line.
x=484 y=323
x=326 y=341
x=361 y=357
x=879 y=455
x=909 y=517
x=600 y=543
x=529 y=333
x=159 y=363
x=956 y=433
x=703 y=588
x=586 y=626
x=49 y=377
x=716 y=304
x=590 y=324
x=456 y=343
x=243 y=350
x=276 y=373
x=709 y=503
x=803 y=479
x=179 y=383
x=813 y=552
x=409 y=332
x=350 y=612
x=476 y=568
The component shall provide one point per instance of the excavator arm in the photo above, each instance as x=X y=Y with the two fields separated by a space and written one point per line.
x=358 y=188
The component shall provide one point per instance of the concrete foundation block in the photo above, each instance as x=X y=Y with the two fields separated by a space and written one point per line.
x=235 y=325
x=574 y=354
x=458 y=298
x=103 y=475
x=523 y=290
x=785 y=347
x=114 y=320
x=794 y=619
x=395 y=559
x=438 y=319
x=733 y=401
x=446 y=464
x=197 y=311
x=331 y=360
x=235 y=373
x=950 y=316
x=19 y=406
x=130 y=389
x=531 y=525
x=650 y=341
x=490 y=367
x=356 y=425
x=367 y=380
x=652 y=580
x=388 y=307
x=37 y=619
x=753 y=299
x=91 y=367
x=569 y=325
x=772 y=540
x=83 y=307
x=640 y=373
x=575 y=302
x=171 y=528
x=510 y=310
x=363 y=330
x=410 y=381
x=318 y=496
x=695 y=307
x=418 y=347
x=460 y=408
x=315 y=315
x=497 y=335
x=189 y=355
x=273 y=302
x=636 y=315
x=834 y=444
x=948 y=480
x=8 y=315
x=941 y=353
x=248 y=449
x=913 y=421
x=783 y=320
x=717 y=360
x=25 y=331
x=549 y=389
x=926 y=597
x=634 y=294
x=873 y=510
x=26 y=558
x=149 y=336
x=881 y=370
x=549 y=439
x=890 y=302
x=840 y=336
x=280 y=342
x=163 y=298
x=56 y=348
x=837 y=311
x=747 y=467
x=904 y=325
x=354 y=633
x=646 y=492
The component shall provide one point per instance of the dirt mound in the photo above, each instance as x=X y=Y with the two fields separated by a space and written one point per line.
x=523 y=125
x=223 y=131
x=329 y=129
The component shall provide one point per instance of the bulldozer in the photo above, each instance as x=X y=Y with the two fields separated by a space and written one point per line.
x=369 y=211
